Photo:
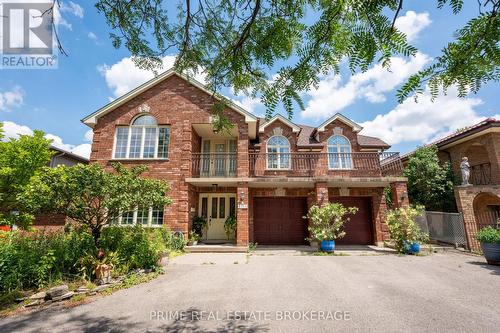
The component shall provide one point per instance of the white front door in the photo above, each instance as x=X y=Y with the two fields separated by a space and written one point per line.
x=217 y=207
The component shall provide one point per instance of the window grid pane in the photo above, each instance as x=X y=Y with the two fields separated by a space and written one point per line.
x=222 y=208
x=149 y=142
x=163 y=141
x=121 y=142
x=157 y=218
x=145 y=120
x=128 y=218
x=135 y=142
x=142 y=216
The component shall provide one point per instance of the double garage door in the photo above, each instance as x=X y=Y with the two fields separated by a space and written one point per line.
x=278 y=221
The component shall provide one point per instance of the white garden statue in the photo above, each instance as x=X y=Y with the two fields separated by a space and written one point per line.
x=465 y=169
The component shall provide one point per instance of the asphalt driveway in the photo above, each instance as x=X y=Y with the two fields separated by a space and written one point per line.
x=290 y=293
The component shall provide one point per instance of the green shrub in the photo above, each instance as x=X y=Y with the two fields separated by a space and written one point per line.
x=327 y=222
x=403 y=228
x=36 y=259
x=489 y=235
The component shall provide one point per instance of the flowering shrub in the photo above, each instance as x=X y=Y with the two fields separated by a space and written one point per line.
x=327 y=222
x=402 y=227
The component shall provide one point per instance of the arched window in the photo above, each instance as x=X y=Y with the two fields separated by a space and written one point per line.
x=339 y=152
x=142 y=139
x=278 y=152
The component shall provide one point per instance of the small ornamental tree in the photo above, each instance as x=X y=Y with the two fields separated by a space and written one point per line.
x=20 y=159
x=402 y=227
x=327 y=222
x=92 y=196
x=430 y=183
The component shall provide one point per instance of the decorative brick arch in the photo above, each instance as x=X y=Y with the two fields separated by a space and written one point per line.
x=473 y=202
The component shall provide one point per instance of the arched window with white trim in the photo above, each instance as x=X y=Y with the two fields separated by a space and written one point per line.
x=143 y=139
x=278 y=152
x=339 y=152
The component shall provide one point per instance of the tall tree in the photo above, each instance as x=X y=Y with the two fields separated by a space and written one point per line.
x=242 y=43
x=430 y=183
x=20 y=159
x=92 y=196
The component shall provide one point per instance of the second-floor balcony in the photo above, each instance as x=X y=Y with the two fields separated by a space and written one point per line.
x=299 y=164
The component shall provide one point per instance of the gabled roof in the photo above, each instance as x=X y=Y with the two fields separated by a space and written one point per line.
x=294 y=127
x=464 y=134
x=91 y=119
x=342 y=118
x=372 y=142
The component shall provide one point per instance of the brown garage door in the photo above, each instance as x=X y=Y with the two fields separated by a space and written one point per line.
x=359 y=228
x=278 y=221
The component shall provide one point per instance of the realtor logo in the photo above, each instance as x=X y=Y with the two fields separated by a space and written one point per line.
x=27 y=35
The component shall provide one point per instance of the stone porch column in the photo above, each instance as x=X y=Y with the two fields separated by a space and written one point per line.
x=399 y=195
x=321 y=190
x=379 y=210
x=242 y=213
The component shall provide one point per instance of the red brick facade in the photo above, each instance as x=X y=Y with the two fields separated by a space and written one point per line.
x=182 y=106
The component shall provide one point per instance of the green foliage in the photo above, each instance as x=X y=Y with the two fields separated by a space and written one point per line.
x=20 y=159
x=430 y=183
x=92 y=196
x=388 y=196
x=193 y=236
x=469 y=61
x=200 y=224
x=37 y=259
x=230 y=226
x=403 y=228
x=327 y=222
x=489 y=235
x=278 y=49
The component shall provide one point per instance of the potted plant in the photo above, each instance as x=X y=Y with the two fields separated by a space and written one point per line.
x=103 y=266
x=404 y=231
x=489 y=238
x=200 y=224
x=193 y=238
x=230 y=226
x=326 y=223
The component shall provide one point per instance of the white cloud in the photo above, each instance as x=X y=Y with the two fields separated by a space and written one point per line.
x=11 y=98
x=124 y=75
x=13 y=130
x=412 y=23
x=72 y=8
x=92 y=35
x=89 y=135
x=332 y=95
x=424 y=121
x=248 y=103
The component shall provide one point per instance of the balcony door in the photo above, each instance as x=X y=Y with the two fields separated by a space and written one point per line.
x=219 y=158
x=217 y=207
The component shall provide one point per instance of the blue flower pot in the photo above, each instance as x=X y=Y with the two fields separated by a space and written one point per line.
x=327 y=245
x=415 y=248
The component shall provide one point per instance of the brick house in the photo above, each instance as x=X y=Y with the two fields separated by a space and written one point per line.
x=479 y=202
x=266 y=173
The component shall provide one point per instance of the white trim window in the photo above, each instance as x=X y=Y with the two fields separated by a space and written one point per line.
x=278 y=152
x=147 y=217
x=143 y=139
x=339 y=152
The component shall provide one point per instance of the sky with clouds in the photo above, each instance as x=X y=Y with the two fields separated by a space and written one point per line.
x=95 y=73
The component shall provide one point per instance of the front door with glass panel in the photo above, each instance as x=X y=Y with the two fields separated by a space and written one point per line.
x=217 y=207
x=218 y=158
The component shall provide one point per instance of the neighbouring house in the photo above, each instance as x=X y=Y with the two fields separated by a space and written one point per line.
x=60 y=157
x=479 y=202
x=266 y=173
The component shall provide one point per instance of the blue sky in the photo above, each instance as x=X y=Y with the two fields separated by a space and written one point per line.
x=95 y=72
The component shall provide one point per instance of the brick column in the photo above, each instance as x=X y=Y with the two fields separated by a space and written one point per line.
x=242 y=159
x=321 y=190
x=464 y=197
x=399 y=195
x=242 y=215
x=379 y=210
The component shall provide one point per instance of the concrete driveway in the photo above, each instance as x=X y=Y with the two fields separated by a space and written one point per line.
x=285 y=292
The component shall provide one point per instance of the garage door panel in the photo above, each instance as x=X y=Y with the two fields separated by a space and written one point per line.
x=359 y=228
x=279 y=220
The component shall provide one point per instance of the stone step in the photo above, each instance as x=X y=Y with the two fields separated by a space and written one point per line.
x=206 y=248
